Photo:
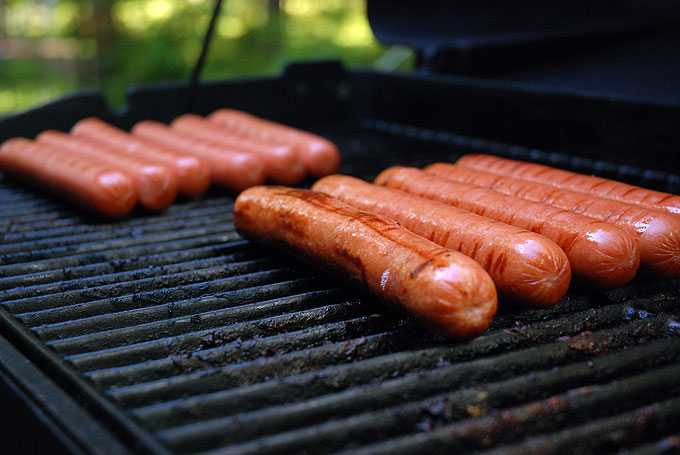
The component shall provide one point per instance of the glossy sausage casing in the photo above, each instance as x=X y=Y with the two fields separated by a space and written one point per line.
x=193 y=176
x=600 y=254
x=589 y=184
x=281 y=162
x=237 y=170
x=88 y=183
x=444 y=289
x=156 y=184
x=526 y=267
x=657 y=233
x=320 y=156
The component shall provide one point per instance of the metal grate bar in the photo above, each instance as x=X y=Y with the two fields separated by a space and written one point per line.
x=416 y=416
x=373 y=384
x=666 y=445
x=93 y=297
x=69 y=277
x=322 y=327
x=70 y=238
x=184 y=339
x=92 y=302
x=418 y=386
x=221 y=378
x=553 y=414
x=120 y=254
x=162 y=269
x=251 y=372
x=137 y=331
x=607 y=434
x=52 y=230
x=112 y=244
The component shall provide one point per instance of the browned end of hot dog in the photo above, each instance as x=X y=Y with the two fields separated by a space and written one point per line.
x=600 y=254
x=526 y=267
x=192 y=175
x=320 y=156
x=86 y=182
x=442 y=288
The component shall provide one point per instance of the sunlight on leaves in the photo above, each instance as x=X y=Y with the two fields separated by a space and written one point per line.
x=51 y=47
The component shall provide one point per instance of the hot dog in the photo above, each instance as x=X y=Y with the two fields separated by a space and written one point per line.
x=282 y=163
x=442 y=288
x=597 y=186
x=600 y=254
x=657 y=234
x=99 y=188
x=193 y=176
x=320 y=156
x=526 y=267
x=229 y=168
x=156 y=185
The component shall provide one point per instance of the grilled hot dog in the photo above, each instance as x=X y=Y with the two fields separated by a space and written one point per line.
x=282 y=163
x=191 y=173
x=525 y=266
x=657 y=234
x=320 y=156
x=98 y=187
x=157 y=186
x=600 y=254
x=237 y=170
x=442 y=288
x=597 y=186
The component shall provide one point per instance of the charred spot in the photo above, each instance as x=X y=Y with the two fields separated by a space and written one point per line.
x=418 y=269
x=500 y=263
x=353 y=258
x=474 y=248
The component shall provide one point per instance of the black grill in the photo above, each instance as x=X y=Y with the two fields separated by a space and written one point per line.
x=179 y=336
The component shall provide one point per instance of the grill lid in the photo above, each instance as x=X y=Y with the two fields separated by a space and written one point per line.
x=623 y=48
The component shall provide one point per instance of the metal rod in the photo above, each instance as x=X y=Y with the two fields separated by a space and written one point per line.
x=193 y=83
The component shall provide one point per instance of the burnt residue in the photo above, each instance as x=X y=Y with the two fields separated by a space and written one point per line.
x=417 y=270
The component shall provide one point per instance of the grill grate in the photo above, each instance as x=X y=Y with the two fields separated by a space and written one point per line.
x=212 y=344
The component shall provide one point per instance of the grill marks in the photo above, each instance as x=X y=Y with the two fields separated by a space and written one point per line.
x=213 y=345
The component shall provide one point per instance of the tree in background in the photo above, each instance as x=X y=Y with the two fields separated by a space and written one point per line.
x=50 y=47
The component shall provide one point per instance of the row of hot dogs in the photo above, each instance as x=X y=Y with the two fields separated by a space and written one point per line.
x=441 y=242
x=109 y=171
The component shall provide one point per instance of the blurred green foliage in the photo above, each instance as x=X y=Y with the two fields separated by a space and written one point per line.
x=50 y=47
